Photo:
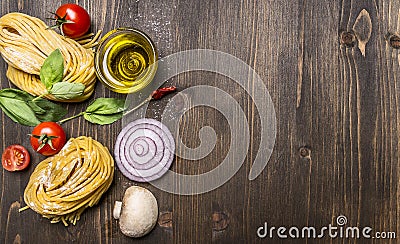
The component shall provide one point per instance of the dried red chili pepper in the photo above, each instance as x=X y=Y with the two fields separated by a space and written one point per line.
x=155 y=95
x=159 y=93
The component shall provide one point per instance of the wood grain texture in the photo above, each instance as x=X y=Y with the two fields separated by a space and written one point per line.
x=338 y=121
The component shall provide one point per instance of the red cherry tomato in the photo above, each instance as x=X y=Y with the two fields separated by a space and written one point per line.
x=48 y=138
x=15 y=158
x=73 y=19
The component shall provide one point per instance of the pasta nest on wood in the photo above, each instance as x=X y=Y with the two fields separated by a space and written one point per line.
x=26 y=41
x=63 y=186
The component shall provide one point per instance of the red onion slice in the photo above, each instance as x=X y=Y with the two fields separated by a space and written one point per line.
x=144 y=150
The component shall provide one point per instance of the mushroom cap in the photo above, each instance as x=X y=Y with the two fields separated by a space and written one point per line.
x=139 y=212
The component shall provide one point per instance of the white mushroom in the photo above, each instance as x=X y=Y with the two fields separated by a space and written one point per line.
x=138 y=212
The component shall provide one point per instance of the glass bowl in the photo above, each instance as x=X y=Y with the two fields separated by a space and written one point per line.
x=126 y=60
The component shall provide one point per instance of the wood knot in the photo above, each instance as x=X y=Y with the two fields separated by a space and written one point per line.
x=347 y=38
x=220 y=221
x=304 y=152
x=165 y=220
x=363 y=29
x=394 y=40
x=17 y=239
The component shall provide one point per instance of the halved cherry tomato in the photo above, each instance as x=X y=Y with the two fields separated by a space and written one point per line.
x=48 y=138
x=15 y=158
x=73 y=20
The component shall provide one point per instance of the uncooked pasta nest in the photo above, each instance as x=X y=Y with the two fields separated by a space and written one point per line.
x=63 y=186
x=25 y=42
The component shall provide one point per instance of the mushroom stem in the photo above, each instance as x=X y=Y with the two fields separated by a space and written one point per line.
x=117 y=209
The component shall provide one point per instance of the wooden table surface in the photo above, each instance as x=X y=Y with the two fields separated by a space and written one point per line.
x=333 y=76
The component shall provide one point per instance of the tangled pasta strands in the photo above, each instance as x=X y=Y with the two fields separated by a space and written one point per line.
x=63 y=186
x=25 y=42
x=89 y=40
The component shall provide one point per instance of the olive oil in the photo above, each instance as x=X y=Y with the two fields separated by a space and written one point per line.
x=126 y=60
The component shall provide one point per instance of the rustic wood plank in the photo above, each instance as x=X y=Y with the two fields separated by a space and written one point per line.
x=338 y=117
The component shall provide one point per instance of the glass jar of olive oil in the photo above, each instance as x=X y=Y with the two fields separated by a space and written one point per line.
x=126 y=60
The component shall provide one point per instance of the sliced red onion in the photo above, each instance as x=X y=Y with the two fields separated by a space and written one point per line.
x=144 y=150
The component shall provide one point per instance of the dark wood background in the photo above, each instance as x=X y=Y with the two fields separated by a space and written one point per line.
x=338 y=121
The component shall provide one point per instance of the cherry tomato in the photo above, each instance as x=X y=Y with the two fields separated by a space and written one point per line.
x=48 y=138
x=15 y=158
x=73 y=20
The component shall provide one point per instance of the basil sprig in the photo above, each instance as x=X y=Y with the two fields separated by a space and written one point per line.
x=29 y=110
x=52 y=70
x=67 y=90
x=102 y=111
x=25 y=109
x=51 y=75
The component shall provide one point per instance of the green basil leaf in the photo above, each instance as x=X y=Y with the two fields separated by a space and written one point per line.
x=52 y=70
x=46 y=110
x=21 y=107
x=105 y=110
x=15 y=93
x=67 y=90
x=18 y=111
x=106 y=106
x=102 y=119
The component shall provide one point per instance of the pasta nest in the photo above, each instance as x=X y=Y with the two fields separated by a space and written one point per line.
x=63 y=186
x=26 y=41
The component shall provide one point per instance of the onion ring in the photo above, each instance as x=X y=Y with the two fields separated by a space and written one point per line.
x=144 y=150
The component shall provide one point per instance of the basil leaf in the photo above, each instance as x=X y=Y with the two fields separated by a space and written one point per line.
x=105 y=111
x=43 y=109
x=15 y=93
x=21 y=108
x=67 y=90
x=106 y=106
x=18 y=111
x=52 y=70
x=46 y=110
x=102 y=119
